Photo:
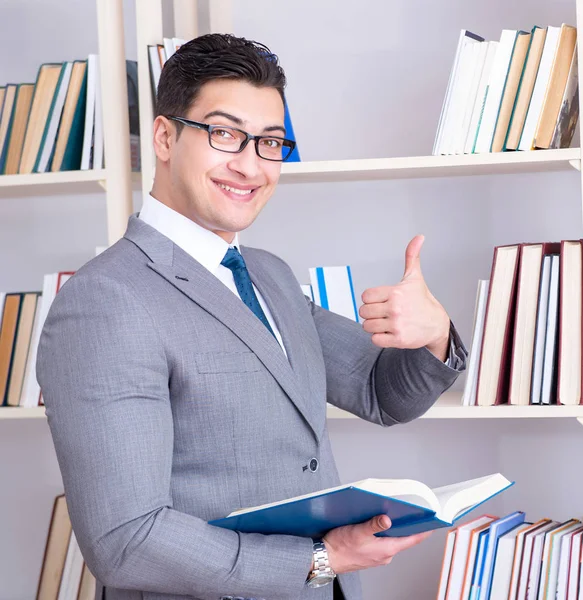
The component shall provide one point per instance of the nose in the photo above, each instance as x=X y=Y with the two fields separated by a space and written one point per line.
x=246 y=162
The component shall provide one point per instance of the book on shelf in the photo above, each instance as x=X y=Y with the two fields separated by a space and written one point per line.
x=332 y=289
x=22 y=316
x=412 y=506
x=55 y=124
x=515 y=93
x=511 y=558
x=527 y=343
x=64 y=573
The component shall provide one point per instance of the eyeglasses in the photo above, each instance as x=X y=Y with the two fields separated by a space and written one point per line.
x=233 y=140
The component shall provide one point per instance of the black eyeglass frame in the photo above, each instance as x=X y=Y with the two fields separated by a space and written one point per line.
x=248 y=137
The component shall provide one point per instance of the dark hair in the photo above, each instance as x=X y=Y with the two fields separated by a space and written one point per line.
x=211 y=57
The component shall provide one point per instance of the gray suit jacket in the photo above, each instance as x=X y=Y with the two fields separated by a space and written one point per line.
x=170 y=405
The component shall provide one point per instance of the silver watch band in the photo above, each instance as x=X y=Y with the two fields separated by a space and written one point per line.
x=322 y=573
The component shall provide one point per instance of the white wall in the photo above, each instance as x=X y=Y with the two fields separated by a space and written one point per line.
x=366 y=79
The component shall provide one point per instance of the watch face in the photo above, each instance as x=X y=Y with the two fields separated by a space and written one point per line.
x=320 y=580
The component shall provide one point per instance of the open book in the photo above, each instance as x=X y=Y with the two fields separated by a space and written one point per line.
x=412 y=506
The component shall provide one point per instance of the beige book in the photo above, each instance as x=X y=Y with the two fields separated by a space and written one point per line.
x=7 y=107
x=510 y=90
x=44 y=91
x=18 y=127
x=55 y=551
x=537 y=42
x=556 y=87
x=23 y=337
x=75 y=83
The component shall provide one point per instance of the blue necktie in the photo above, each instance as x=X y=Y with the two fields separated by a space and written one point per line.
x=236 y=264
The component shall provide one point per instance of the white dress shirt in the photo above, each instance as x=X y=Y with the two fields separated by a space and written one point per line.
x=203 y=245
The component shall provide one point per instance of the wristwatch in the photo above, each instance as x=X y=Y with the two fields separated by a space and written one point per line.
x=322 y=573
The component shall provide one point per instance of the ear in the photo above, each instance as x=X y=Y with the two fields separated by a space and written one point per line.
x=164 y=137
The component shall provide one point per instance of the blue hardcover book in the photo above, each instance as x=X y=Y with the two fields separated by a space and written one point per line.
x=497 y=529
x=289 y=134
x=479 y=564
x=411 y=505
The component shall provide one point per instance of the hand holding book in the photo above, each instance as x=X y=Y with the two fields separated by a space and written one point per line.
x=356 y=547
x=407 y=315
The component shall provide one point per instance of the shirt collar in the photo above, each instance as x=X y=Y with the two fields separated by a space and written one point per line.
x=203 y=245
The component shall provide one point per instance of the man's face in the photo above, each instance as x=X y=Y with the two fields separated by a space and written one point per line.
x=223 y=192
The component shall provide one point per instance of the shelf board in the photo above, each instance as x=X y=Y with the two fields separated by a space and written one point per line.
x=10 y=412
x=62 y=182
x=447 y=407
x=431 y=166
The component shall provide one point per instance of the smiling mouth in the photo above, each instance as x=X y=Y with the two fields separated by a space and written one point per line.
x=236 y=193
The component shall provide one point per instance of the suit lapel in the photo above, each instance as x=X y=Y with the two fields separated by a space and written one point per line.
x=203 y=288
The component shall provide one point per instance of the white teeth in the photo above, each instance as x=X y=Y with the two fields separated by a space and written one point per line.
x=234 y=190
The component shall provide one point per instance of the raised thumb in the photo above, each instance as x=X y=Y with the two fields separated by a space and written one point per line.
x=412 y=257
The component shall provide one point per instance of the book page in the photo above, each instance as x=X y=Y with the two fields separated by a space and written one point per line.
x=459 y=497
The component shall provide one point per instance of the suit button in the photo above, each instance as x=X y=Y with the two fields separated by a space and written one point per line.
x=314 y=465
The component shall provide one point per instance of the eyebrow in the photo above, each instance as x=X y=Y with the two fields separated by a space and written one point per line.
x=239 y=122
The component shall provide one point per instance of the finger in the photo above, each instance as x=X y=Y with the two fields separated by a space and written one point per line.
x=384 y=325
x=378 y=310
x=412 y=257
x=386 y=340
x=378 y=294
x=376 y=525
x=398 y=544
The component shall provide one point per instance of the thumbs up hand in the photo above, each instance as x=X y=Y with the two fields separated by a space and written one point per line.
x=407 y=315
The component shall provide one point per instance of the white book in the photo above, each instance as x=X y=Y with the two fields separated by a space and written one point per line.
x=30 y=388
x=536 y=561
x=465 y=37
x=168 y=47
x=551 y=559
x=503 y=562
x=89 y=128
x=461 y=134
x=72 y=571
x=459 y=98
x=565 y=562
x=541 y=330
x=307 y=291
x=460 y=556
x=54 y=120
x=528 y=558
x=574 y=566
x=547 y=390
x=540 y=86
x=471 y=384
x=333 y=290
x=98 y=143
x=480 y=99
x=496 y=85
x=446 y=564
x=155 y=68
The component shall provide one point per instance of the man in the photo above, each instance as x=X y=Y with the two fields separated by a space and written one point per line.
x=185 y=377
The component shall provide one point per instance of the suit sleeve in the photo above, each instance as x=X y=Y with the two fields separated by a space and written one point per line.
x=384 y=386
x=105 y=377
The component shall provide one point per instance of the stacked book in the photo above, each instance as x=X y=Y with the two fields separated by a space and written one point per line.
x=516 y=93
x=158 y=54
x=64 y=573
x=510 y=558
x=527 y=336
x=56 y=123
x=22 y=316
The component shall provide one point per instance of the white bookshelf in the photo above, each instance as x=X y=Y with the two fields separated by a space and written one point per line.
x=416 y=167
x=448 y=406
x=58 y=184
